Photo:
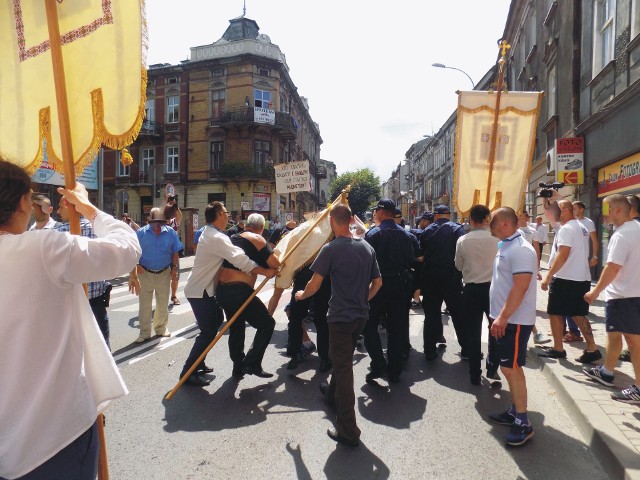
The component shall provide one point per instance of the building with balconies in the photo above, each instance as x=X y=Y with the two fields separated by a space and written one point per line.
x=216 y=125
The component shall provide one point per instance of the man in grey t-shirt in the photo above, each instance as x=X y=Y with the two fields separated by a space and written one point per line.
x=355 y=279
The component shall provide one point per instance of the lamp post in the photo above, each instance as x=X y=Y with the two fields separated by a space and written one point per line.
x=440 y=65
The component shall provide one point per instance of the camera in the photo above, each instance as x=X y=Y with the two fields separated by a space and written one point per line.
x=546 y=189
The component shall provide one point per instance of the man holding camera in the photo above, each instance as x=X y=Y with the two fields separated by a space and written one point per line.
x=567 y=280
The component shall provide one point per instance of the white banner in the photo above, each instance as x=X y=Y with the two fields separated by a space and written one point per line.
x=292 y=177
x=264 y=115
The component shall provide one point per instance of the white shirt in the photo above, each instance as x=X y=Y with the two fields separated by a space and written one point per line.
x=542 y=232
x=624 y=250
x=575 y=235
x=588 y=223
x=56 y=373
x=214 y=247
x=527 y=233
x=474 y=255
x=49 y=225
x=515 y=256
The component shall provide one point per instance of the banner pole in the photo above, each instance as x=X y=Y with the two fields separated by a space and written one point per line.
x=64 y=123
x=230 y=322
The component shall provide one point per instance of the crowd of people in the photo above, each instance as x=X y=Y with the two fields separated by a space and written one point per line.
x=364 y=278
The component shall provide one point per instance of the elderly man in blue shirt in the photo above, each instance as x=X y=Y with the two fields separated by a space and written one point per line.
x=157 y=266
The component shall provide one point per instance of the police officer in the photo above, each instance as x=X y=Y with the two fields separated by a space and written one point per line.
x=396 y=249
x=424 y=221
x=441 y=281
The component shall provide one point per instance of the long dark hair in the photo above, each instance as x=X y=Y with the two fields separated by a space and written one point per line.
x=14 y=184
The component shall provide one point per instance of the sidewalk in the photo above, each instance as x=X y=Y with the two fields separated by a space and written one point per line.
x=612 y=429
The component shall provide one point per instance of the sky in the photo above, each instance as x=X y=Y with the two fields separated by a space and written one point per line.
x=365 y=67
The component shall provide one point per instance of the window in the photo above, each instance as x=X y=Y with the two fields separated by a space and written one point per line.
x=172 y=80
x=263 y=71
x=172 y=163
x=217 y=103
x=261 y=98
x=150 y=110
x=216 y=156
x=261 y=155
x=635 y=18
x=218 y=72
x=147 y=159
x=173 y=109
x=121 y=170
x=552 y=89
x=603 y=33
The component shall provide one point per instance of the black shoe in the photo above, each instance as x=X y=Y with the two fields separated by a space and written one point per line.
x=325 y=366
x=431 y=355
x=238 y=372
x=334 y=435
x=552 y=353
x=589 y=357
x=257 y=371
x=293 y=363
x=324 y=388
x=625 y=356
x=475 y=380
x=205 y=369
x=373 y=374
x=198 y=381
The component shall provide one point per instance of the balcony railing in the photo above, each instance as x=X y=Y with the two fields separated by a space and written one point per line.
x=283 y=122
x=233 y=170
x=151 y=128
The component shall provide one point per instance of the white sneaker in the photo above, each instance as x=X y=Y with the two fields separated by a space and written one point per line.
x=540 y=339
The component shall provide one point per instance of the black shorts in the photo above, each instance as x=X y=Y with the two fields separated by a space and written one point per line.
x=566 y=297
x=512 y=348
x=623 y=315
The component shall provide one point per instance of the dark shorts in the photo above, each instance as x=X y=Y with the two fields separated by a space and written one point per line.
x=512 y=348
x=623 y=315
x=566 y=297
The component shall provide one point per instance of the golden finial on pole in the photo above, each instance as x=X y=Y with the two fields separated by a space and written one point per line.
x=504 y=46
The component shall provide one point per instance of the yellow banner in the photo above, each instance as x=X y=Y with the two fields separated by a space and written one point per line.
x=103 y=48
x=517 y=121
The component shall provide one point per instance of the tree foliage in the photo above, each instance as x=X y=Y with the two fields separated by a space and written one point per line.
x=365 y=189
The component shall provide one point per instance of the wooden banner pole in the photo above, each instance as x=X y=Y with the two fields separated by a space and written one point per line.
x=64 y=123
x=230 y=322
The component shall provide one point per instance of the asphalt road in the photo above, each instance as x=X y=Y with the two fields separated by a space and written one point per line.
x=430 y=425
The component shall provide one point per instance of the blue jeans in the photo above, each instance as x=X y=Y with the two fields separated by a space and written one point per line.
x=573 y=326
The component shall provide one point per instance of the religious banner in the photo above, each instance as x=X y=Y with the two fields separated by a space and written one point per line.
x=103 y=46
x=488 y=170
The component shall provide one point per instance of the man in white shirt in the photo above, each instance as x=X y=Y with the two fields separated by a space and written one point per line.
x=578 y=212
x=474 y=257
x=214 y=246
x=42 y=209
x=567 y=280
x=513 y=307
x=542 y=234
x=620 y=281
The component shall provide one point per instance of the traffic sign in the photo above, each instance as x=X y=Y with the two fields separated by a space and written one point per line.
x=122 y=196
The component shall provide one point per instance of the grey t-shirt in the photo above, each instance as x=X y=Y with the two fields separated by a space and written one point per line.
x=351 y=263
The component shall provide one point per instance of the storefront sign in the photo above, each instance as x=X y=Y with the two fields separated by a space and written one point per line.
x=292 y=177
x=47 y=174
x=570 y=160
x=619 y=176
x=262 y=202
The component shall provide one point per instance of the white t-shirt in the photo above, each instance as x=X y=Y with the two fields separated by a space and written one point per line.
x=56 y=372
x=623 y=250
x=528 y=234
x=575 y=235
x=588 y=223
x=542 y=232
x=515 y=256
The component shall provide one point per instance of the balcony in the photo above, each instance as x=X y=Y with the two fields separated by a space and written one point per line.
x=244 y=171
x=151 y=128
x=171 y=127
x=284 y=123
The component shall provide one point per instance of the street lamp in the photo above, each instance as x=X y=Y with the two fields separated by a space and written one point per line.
x=440 y=65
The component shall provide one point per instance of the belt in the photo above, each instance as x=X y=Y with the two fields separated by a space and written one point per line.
x=155 y=271
x=232 y=284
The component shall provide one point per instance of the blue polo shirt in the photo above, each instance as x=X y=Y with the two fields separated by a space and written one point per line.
x=157 y=250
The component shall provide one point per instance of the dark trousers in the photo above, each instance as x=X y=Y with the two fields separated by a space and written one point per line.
x=392 y=299
x=99 y=309
x=231 y=297
x=342 y=341
x=209 y=318
x=319 y=309
x=441 y=284
x=76 y=461
x=475 y=304
x=298 y=311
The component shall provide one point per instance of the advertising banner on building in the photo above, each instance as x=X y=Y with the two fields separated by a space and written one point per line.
x=47 y=174
x=619 y=176
x=264 y=115
x=292 y=177
x=262 y=202
x=570 y=160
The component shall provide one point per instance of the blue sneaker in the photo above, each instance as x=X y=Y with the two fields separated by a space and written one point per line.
x=503 y=418
x=519 y=434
